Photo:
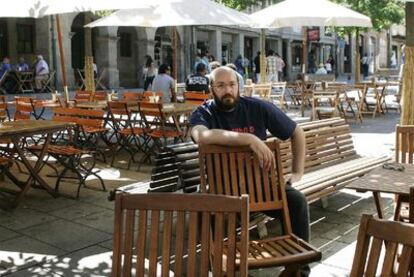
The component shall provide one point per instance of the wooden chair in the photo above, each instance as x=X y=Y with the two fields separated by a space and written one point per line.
x=4 y=110
x=146 y=96
x=205 y=228
x=325 y=104
x=129 y=132
x=404 y=153
x=235 y=171
x=157 y=127
x=99 y=96
x=377 y=234
x=47 y=84
x=194 y=97
x=263 y=90
x=82 y=143
x=277 y=95
x=24 y=108
x=131 y=96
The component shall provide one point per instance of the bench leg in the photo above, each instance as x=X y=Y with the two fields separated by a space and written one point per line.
x=324 y=202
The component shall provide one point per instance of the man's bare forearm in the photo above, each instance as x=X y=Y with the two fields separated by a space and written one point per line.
x=298 y=151
x=202 y=135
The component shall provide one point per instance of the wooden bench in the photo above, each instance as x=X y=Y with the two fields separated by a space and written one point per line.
x=331 y=162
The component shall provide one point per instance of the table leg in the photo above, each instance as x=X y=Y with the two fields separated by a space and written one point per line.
x=34 y=171
x=377 y=199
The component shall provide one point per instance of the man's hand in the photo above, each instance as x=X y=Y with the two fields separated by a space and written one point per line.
x=293 y=178
x=263 y=153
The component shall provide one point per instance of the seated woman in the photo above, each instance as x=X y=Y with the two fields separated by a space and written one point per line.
x=164 y=83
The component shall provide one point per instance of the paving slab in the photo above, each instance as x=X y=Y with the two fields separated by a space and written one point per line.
x=24 y=217
x=102 y=221
x=34 y=272
x=77 y=210
x=92 y=261
x=66 y=235
x=23 y=252
x=6 y=234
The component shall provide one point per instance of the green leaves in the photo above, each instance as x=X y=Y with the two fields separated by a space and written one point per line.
x=383 y=13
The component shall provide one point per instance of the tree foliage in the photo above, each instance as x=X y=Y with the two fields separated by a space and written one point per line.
x=383 y=13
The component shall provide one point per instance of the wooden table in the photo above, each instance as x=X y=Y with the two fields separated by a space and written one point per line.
x=387 y=181
x=15 y=131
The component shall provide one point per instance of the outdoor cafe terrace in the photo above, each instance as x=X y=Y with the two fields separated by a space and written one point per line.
x=69 y=231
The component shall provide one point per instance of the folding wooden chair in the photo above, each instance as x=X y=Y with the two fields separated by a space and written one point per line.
x=71 y=154
x=277 y=95
x=99 y=79
x=325 y=104
x=263 y=90
x=146 y=96
x=207 y=238
x=404 y=153
x=4 y=110
x=129 y=132
x=131 y=96
x=47 y=84
x=99 y=96
x=377 y=234
x=24 y=108
x=195 y=97
x=235 y=171
x=157 y=127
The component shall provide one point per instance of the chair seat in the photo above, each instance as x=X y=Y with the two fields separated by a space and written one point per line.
x=5 y=162
x=92 y=129
x=158 y=133
x=132 y=131
x=280 y=251
x=61 y=150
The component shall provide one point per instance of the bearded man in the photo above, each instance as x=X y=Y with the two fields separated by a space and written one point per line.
x=229 y=119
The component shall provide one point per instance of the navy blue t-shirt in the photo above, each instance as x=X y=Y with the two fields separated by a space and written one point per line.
x=251 y=115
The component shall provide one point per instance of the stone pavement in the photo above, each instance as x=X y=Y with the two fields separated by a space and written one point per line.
x=48 y=236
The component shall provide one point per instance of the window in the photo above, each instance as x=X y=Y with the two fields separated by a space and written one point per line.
x=25 y=38
x=125 y=44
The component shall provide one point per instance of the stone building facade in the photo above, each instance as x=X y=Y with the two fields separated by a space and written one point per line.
x=120 y=52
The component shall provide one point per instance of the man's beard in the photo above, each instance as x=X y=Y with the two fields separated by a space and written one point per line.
x=227 y=103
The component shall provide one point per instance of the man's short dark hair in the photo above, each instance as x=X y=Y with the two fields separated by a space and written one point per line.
x=200 y=67
x=163 y=68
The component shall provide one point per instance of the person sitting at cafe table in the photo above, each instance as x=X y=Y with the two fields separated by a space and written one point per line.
x=22 y=66
x=321 y=70
x=165 y=83
x=8 y=82
x=199 y=81
x=41 y=72
x=231 y=119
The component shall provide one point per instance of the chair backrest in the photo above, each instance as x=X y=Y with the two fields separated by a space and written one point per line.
x=83 y=96
x=144 y=227
x=84 y=117
x=24 y=107
x=147 y=94
x=377 y=234
x=235 y=171
x=195 y=97
x=99 y=96
x=263 y=90
x=4 y=111
x=404 y=144
x=129 y=95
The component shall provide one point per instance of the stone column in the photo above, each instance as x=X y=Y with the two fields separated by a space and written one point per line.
x=321 y=54
x=279 y=48
x=107 y=51
x=216 y=42
x=238 y=46
x=288 y=59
